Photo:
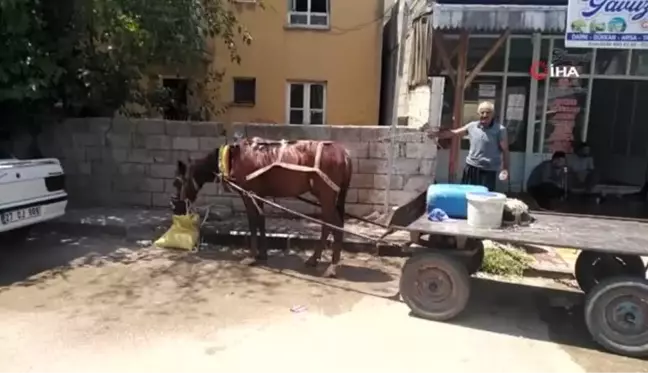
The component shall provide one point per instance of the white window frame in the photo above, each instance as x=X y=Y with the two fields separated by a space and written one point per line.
x=306 y=108
x=309 y=15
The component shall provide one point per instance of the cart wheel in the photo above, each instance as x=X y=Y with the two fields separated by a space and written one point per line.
x=592 y=267
x=435 y=286
x=616 y=315
x=474 y=263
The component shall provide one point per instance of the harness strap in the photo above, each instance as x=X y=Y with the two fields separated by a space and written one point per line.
x=299 y=168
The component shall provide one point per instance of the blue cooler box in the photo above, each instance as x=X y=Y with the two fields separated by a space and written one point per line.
x=451 y=198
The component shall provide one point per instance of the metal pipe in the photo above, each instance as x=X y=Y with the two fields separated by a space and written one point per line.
x=402 y=34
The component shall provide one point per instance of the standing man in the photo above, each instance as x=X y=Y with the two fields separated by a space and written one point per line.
x=489 y=152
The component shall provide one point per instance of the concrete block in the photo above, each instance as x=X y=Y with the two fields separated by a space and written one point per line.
x=180 y=155
x=87 y=139
x=132 y=169
x=357 y=149
x=210 y=143
x=162 y=171
x=209 y=189
x=157 y=142
x=421 y=150
x=362 y=180
x=117 y=140
x=178 y=129
x=160 y=200
x=138 y=141
x=126 y=184
x=428 y=167
x=359 y=209
x=169 y=186
x=371 y=196
x=103 y=173
x=237 y=205
x=76 y=154
x=372 y=166
x=151 y=185
x=85 y=168
x=417 y=183
x=115 y=155
x=383 y=182
x=346 y=133
x=405 y=166
x=139 y=156
x=198 y=155
x=352 y=196
x=134 y=198
x=122 y=125
x=185 y=143
x=77 y=125
x=151 y=127
x=374 y=133
x=99 y=126
x=381 y=150
x=94 y=153
x=206 y=129
x=161 y=156
x=322 y=133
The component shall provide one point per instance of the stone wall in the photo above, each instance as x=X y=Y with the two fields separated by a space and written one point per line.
x=118 y=161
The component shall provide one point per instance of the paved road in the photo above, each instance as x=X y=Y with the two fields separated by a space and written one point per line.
x=76 y=304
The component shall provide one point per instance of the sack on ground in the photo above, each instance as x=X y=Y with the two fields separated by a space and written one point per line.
x=183 y=234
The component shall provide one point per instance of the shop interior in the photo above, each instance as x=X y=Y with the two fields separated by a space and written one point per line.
x=600 y=107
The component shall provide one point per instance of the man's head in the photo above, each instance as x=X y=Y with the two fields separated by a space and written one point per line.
x=486 y=111
x=559 y=159
x=583 y=149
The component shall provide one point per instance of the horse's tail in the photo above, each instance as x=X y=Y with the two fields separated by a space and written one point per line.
x=344 y=186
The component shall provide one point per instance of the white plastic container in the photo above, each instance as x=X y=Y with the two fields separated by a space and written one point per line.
x=485 y=209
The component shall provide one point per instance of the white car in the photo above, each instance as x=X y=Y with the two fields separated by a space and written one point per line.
x=31 y=192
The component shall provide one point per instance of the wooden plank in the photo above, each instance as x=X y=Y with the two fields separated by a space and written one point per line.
x=491 y=52
x=622 y=236
x=437 y=39
x=457 y=111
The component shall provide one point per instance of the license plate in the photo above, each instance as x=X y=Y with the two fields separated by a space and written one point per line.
x=18 y=215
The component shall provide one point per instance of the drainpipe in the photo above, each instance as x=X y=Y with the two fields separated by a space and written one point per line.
x=401 y=30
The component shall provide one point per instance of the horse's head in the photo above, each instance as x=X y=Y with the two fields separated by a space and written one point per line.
x=189 y=179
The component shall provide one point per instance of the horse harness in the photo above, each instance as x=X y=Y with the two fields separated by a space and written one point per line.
x=294 y=167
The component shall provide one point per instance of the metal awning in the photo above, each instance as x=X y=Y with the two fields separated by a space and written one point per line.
x=521 y=18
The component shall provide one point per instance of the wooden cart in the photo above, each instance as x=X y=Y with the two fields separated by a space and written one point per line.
x=435 y=281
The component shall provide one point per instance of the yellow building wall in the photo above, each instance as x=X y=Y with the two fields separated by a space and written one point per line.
x=347 y=56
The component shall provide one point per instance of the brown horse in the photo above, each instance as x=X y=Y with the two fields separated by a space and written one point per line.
x=322 y=168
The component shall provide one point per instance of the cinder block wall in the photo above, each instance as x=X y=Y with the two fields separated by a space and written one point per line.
x=125 y=162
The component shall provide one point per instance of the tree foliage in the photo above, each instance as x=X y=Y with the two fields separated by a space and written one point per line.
x=88 y=57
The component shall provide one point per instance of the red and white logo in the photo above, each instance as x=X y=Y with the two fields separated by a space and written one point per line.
x=540 y=70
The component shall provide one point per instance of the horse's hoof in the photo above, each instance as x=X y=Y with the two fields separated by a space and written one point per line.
x=331 y=272
x=252 y=262
x=311 y=262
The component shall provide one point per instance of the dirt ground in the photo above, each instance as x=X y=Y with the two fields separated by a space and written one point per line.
x=75 y=303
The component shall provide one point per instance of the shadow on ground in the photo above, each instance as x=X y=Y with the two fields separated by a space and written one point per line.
x=72 y=273
x=547 y=314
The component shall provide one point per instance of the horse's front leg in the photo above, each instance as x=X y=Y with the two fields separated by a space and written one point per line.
x=262 y=253
x=253 y=221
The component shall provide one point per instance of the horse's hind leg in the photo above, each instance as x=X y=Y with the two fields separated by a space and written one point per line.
x=338 y=237
x=317 y=253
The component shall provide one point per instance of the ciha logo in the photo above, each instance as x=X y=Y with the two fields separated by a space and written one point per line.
x=540 y=70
